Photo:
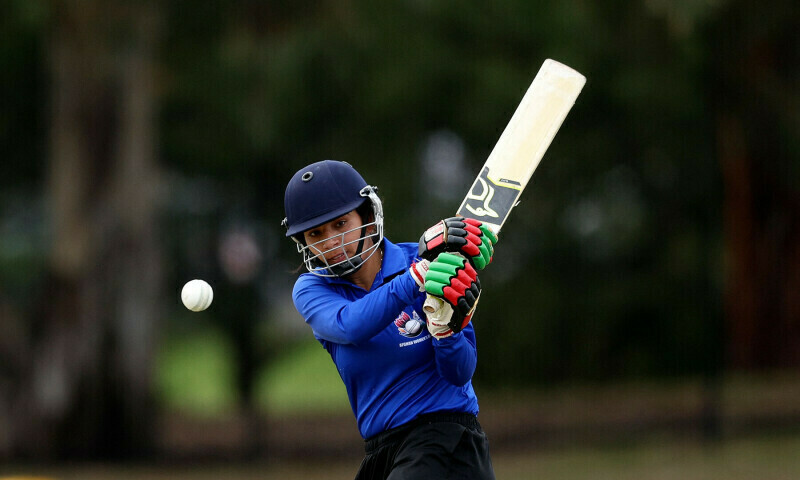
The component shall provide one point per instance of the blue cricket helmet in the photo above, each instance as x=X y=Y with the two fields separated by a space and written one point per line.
x=324 y=191
x=319 y=193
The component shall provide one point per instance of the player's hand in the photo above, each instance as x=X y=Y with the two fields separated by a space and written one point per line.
x=418 y=270
x=439 y=319
x=453 y=279
x=467 y=236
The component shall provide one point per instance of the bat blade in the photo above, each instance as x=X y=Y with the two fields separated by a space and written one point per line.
x=522 y=144
x=520 y=148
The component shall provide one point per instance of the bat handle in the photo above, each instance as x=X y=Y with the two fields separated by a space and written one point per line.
x=432 y=304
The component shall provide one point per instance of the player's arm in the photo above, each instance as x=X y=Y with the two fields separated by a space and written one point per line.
x=456 y=356
x=337 y=319
x=454 y=352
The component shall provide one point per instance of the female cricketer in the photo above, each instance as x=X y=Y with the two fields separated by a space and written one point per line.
x=407 y=373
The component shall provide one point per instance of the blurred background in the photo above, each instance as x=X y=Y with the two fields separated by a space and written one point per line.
x=642 y=315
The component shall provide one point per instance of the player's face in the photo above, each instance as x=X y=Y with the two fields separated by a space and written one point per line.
x=336 y=240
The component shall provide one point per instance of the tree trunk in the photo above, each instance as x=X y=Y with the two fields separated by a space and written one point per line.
x=88 y=391
x=756 y=91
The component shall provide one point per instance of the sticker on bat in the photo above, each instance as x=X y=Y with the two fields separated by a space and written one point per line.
x=488 y=200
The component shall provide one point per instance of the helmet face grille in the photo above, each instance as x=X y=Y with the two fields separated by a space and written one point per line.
x=314 y=257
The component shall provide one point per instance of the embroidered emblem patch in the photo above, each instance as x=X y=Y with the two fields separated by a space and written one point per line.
x=409 y=325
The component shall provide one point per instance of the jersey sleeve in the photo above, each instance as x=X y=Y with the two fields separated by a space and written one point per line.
x=335 y=318
x=456 y=356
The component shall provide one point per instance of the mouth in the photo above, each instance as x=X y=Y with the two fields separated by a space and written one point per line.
x=336 y=259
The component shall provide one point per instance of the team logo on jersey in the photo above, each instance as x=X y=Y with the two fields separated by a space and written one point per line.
x=409 y=325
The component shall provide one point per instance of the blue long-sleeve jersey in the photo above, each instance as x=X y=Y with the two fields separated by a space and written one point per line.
x=393 y=370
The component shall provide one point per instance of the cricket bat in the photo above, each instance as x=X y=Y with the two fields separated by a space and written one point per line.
x=520 y=148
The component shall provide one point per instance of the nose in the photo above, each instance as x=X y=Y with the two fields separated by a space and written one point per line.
x=332 y=241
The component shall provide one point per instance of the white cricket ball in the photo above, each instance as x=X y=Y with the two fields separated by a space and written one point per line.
x=197 y=295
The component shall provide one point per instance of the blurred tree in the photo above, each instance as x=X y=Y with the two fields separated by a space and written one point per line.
x=754 y=85
x=22 y=79
x=87 y=390
x=610 y=268
x=621 y=245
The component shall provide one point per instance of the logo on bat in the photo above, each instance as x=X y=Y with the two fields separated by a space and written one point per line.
x=487 y=192
x=488 y=199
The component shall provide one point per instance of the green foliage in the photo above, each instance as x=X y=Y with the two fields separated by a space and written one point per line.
x=22 y=91
x=612 y=264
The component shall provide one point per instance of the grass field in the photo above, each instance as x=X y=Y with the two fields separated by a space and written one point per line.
x=762 y=458
x=195 y=378
x=195 y=375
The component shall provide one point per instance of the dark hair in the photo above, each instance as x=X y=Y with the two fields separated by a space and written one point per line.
x=365 y=211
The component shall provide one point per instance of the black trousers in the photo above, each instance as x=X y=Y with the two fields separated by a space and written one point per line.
x=437 y=445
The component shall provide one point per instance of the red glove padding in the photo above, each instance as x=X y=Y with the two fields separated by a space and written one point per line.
x=467 y=236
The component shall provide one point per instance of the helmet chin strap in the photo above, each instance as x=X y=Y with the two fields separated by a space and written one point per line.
x=360 y=247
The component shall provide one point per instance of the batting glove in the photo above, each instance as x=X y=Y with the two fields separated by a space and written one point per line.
x=418 y=270
x=467 y=236
x=439 y=319
x=453 y=279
